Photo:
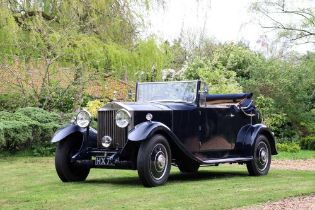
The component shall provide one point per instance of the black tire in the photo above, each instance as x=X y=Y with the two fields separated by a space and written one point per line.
x=67 y=171
x=154 y=161
x=260 y=164
x=188 y=166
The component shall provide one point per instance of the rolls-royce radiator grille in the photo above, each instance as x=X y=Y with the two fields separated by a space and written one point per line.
x=107 y=127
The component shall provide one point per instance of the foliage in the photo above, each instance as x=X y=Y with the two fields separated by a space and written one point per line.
x=59 y=98
x=51 y=50
x=14 y=135
x=288 y=147
x=281 y=82
x=10 y=101
x=28 y=128
x=301 y=155
x=93 y=107
x=43 y=150
x=143 y=63
x=308 y=143
x=39 y=115
x=277 y=121
x=284 y=101
x=175 y=54
x=219 y=80
x=234 y=57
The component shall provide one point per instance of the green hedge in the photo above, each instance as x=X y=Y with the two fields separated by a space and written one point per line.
x=39 y=115
x=308 y=143
x=288 y=147
x=29 y=128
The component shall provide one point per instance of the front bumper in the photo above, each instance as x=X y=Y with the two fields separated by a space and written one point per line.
x=89 y=156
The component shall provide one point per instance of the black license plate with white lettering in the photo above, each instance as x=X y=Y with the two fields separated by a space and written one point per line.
x=102 y=161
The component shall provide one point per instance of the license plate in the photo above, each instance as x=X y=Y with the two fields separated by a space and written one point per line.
x=102 y=161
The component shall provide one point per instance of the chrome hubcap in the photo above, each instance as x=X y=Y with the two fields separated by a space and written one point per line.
x=158 y=161
x=161 y=161
x=262 y=156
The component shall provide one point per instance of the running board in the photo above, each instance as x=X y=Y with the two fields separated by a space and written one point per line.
x=226 y=160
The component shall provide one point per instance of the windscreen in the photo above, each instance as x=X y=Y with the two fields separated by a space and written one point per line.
x=183 y=91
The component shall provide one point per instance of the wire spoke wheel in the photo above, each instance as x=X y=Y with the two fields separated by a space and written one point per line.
x=260 y=164
x=158 y=161
x=261 y=156
x=154 y=161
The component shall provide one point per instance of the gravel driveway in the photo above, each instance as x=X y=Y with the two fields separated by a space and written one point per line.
x=308 y=164
x=299 y=203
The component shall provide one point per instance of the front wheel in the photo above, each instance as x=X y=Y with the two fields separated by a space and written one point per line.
x=154 y=161
x=66 y=170
x=260 y=164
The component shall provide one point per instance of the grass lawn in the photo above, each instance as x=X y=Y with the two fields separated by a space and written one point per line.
x=303 y=154
x=32 y=183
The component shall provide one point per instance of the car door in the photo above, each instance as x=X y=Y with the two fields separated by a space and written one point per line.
x=186 y=127
x=220 y=126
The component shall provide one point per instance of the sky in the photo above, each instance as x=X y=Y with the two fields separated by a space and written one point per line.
x=221 y=20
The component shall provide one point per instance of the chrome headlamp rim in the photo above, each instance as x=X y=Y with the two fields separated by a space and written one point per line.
x=83 y=123
x=127 y=120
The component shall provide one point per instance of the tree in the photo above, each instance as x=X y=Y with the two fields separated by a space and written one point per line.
x=219 y=79
x=76 y=38
x=294 y=20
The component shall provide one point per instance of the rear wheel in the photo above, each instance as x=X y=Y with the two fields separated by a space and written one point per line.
x=260 y=164
x=154 y=161
x=66 y=170
x=188 y=166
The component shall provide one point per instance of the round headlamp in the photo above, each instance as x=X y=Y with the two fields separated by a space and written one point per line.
x=83 y=119
x=122 y=118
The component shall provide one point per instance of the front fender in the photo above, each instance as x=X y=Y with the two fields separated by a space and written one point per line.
x=70 y=129
x=144 y=131
x=247 y=136
x=66 y=131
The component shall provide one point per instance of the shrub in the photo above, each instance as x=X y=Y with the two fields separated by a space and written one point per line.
x=47 y=131
x=39 y=115
x=11 y=101
x=93 y=106
x=43 y=150
x=308 y=143
x=60 y=98
x=29 y=128
x=15 y=135
x=288 y=147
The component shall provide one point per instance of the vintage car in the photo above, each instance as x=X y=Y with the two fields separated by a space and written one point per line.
x=170 y=123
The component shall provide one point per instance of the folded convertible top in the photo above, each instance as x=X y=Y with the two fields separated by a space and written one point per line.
x=213 y=97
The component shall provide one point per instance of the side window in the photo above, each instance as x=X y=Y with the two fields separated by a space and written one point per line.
x=203 y=92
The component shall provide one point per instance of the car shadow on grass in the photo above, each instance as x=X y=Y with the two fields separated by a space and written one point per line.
x=205 y=175
x=174 y=177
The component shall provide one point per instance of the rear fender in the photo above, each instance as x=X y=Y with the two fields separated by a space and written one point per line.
x=247 y=136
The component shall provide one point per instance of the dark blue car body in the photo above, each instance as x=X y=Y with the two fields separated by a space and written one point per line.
x=214 y=129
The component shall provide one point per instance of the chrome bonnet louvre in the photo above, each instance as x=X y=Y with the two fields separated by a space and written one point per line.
x=107 y=127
